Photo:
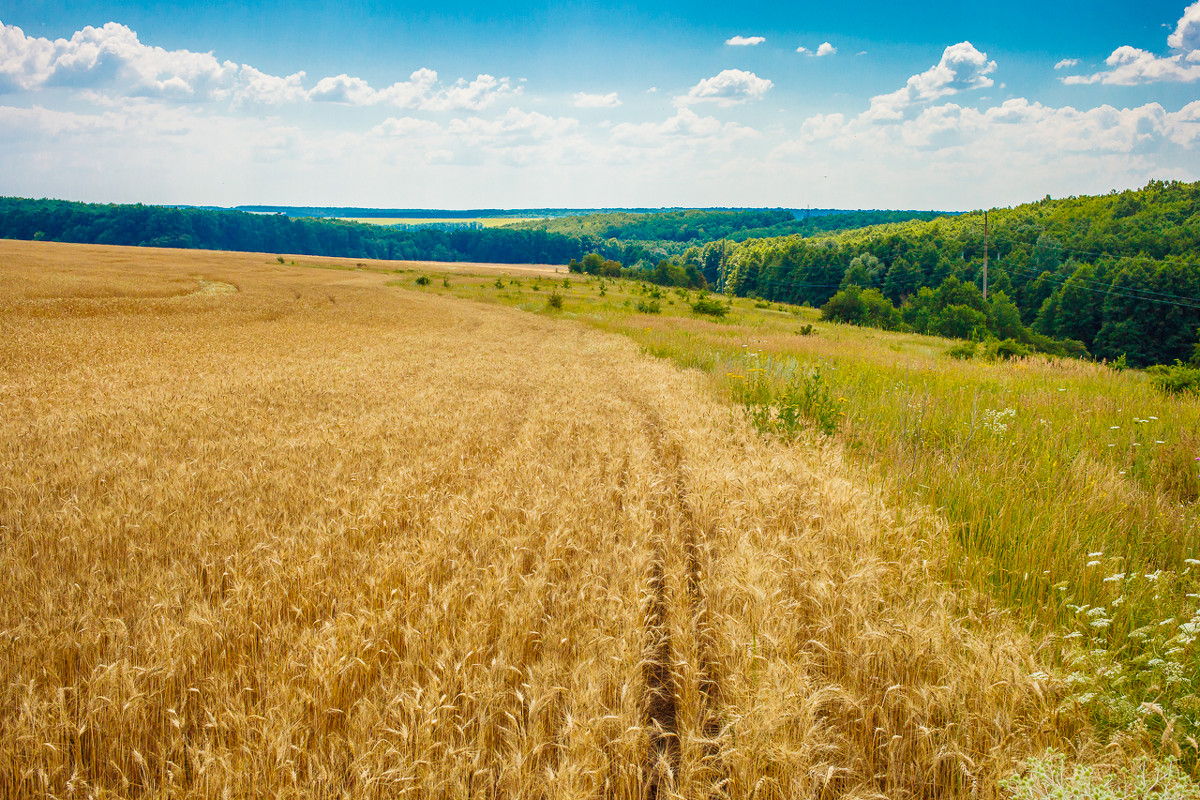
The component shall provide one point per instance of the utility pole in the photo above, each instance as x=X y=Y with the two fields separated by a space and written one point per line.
x=985 y=253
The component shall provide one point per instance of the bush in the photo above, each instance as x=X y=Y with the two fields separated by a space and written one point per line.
x=859 y=306
x=960 y=322
x=710 y=306
x=806 y=330
x=446 y=282
x=554 y=301
x=649 y=307
x=1005 y=349
x=423 y=280
x=1175 y=379
x=963 y=352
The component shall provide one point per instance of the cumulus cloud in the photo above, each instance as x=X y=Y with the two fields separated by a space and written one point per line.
x=106 y=56
x=1131 y=66
x=824 y=49
x=727 y=88
x=585 y=100
x=1066 y=63
x=420 y=91
x=961 y=67
x=112 y=59
x=745 y=41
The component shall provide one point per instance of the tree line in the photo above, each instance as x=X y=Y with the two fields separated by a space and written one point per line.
x=216 y=229
x=1119 y=273
x=701 y=226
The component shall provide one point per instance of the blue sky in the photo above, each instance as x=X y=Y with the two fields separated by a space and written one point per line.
x=522 y=104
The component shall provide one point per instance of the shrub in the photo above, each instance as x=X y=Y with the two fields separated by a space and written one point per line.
x=446 y=282
x=859 y=306
x=649 y=307
x=554 y=301
x=963 y=352
x=806 y=330
x=499 y=284
x=710 y=306
x=960 y=322
x=1005 y=349
x=1175 y=379
x=423 y=280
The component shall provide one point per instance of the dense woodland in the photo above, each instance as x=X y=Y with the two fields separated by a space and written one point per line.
x=1117 y=273
x=1112 y=276
x=701 y=226
x=215 y=229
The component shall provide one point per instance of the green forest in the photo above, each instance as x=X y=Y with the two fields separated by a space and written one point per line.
x=219 y=229
x=701 y=226
x=1114 y=276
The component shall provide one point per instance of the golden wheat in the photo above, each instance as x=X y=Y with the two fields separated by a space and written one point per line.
x=317 y=537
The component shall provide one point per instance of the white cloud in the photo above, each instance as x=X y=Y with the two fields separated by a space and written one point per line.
x=111 y=59
x=585 y=100
x=259 y=87
x=961 y=67
x=343 y=89
x=686 y=128
x=745 y=41
x=1066 y=63
x=514 y=125
x=1131 y=66
x=1186 y=38
x=824 y=49
x=110 y=55
x=405 y=127
x=727 y=88
x=419 y=91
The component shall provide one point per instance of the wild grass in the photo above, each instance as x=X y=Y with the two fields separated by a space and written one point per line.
x=1070 y=490
x=322 y=537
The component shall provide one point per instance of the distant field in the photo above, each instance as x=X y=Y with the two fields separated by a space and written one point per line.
x=487 y=222
x=272 y=530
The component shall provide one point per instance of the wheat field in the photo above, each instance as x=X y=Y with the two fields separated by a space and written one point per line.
x=269 y=531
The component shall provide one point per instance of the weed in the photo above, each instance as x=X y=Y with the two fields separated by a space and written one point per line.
x=649 y=307
x=785 y=406
x=554 y=301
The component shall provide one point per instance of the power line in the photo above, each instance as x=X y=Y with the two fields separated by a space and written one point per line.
x=1118 y=293
x=1107 y=284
